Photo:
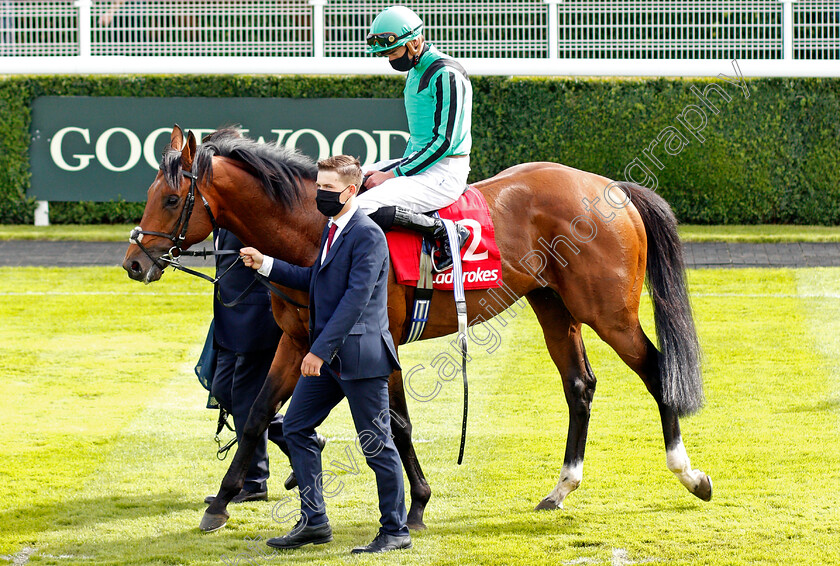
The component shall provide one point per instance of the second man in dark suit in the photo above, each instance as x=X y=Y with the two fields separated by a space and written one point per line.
x=246 y=337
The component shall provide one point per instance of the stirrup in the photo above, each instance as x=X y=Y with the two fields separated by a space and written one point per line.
x=448 y=260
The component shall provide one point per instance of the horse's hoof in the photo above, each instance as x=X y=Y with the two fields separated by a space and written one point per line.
x=548 y=505
x=213 y=522
x=704 y=489
x=416 y=525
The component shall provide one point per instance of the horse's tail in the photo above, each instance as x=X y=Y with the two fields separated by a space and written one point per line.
x=679 y=363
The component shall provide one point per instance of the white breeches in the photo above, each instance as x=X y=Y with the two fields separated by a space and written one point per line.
x=437 y=187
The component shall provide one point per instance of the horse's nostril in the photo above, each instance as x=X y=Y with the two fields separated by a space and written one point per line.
x=135 y=267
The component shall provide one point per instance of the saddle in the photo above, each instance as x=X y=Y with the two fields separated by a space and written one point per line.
x=480 y=258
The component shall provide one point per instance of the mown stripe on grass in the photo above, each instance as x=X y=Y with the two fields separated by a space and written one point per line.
x=99 y=294
x=78 y=368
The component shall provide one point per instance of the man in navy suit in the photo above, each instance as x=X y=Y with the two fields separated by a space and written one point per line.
x=246 y=337
x=351 y=355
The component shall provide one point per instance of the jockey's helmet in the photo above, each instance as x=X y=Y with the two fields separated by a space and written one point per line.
x=393 y=27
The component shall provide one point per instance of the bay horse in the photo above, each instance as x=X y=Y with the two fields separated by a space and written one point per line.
x=576 y=262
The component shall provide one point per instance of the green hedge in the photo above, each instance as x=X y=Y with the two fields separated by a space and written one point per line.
x=769 y=158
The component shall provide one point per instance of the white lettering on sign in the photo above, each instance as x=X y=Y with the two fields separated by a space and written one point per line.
x=58 y=157
x=321 y=139
x=375 y=149
x=134 y=151
x=149 y=146
x=385 y=142
x=370 y=144
x=281 y=135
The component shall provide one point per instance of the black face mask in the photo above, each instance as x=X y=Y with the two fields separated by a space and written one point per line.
x=328 y=202
x=403 y=63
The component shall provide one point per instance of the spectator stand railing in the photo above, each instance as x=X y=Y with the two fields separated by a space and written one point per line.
x=518 y=37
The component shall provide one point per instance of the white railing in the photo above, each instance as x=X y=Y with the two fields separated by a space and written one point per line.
x=208 y=28
x=816 y=30
x=626 y=29
x=50 y=27
x=516 y=37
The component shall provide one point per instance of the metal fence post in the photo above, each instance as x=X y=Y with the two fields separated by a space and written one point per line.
x=787 y=29
x=84 y=26
x=318 y=27
x=553 y=32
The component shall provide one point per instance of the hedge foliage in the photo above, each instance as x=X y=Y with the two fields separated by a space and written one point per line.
x=772 y=157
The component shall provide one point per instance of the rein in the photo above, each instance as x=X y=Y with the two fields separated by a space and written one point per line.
x=179 y=234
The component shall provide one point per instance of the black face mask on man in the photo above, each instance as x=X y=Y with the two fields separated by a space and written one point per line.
x=402 y=64
x=329 y=202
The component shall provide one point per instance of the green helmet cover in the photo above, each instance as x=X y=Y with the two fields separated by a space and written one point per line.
x=398 y=20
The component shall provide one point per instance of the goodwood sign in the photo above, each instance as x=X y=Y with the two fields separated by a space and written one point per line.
x=108 y=148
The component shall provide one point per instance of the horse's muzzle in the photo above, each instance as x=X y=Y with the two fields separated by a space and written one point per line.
x=139 y=267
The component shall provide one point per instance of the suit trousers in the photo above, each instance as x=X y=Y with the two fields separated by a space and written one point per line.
x=313 y=399
x=237 y=382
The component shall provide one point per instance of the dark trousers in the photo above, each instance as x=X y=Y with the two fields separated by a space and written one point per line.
x=237 y=382
x=313 y=399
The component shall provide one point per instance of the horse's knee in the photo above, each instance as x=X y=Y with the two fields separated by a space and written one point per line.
x=398 y=422
x=256 y=425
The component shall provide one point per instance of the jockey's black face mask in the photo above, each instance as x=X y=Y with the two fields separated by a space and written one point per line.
x=403 y=63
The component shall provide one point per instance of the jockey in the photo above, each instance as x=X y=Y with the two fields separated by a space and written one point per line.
x=432 y=174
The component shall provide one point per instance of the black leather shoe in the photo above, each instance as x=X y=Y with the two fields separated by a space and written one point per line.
x=242 y=497
x=297 y=537
x=291 y=481
x=384 y=543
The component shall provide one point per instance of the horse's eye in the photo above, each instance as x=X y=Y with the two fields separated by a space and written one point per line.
x=172 y=200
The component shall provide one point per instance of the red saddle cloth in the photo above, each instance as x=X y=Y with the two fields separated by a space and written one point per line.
x=481 y=261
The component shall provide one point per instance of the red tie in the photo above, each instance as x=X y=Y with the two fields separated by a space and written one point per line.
x=330 y=236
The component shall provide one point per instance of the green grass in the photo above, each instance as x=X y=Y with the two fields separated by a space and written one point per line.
x=108 y=450
x=759 y=234
x=61 y=232
x=765 y=233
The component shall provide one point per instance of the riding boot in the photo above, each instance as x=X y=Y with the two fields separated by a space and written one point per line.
x=433 y=228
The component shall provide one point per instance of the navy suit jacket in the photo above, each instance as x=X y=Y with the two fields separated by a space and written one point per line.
x=249 y=326
x=348 y=300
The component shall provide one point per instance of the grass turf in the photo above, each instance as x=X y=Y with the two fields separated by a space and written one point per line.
x=759 y=234
x=62 y=232
x=764 y=233
x=109 y=450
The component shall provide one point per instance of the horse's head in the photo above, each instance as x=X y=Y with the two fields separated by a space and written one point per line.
x=170 y=220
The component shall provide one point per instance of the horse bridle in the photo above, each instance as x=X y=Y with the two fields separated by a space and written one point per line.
x=179 y=234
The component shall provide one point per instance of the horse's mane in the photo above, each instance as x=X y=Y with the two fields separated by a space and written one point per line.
x=170 y=166
x=280 y=170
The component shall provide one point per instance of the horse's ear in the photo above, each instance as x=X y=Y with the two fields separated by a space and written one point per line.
x=176 y=139
x=188 y=153
x=191 y=142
